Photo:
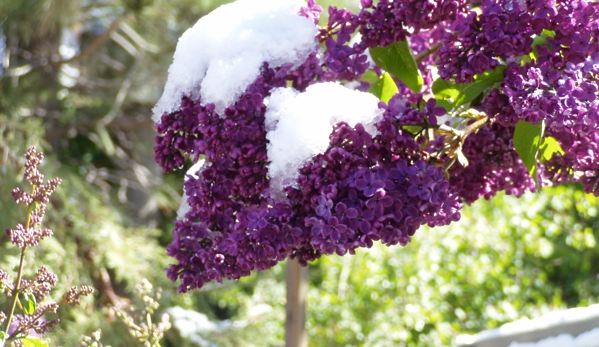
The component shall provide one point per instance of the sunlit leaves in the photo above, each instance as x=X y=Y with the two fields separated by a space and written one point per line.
x=527 y=141
x=398 y=60
x=31 y=341
x=452 y=95
x=549 y=147
x=30 y=304
x=384 y=88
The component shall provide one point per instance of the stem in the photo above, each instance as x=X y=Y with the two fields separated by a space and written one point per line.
x=95 y=44
x=475 y=126
x=149 y=321
x=16 y=291
x=432 y=49
x=449 y=129
x=462 y=134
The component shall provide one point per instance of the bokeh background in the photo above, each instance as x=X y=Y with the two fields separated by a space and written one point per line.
x=78 y=79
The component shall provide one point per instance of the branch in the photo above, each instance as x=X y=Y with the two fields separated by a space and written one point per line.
x=472 y=128
x=107 y=289
x=123 y=91
x=95 y=44
x=7 y=154
x=128 y=123
x=424 y=54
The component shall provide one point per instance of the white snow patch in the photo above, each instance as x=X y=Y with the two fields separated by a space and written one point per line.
x=586 y=339
x=193 y=325
x=196 y=326
x=577 y=315
x=193 y=171
x=222 y=53
x=299 y=125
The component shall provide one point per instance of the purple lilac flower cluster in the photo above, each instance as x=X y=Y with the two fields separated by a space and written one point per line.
x=387 y=21
x=362 y=189
x=232 y=186
x=343 y=60
x=476 y=42
x=365 y=189
x=560 y=88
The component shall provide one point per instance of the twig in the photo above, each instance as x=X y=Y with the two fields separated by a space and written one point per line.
x=94 y=45
x=107 y=289
x=123 y=91
x=474 y=127
x=424 y=54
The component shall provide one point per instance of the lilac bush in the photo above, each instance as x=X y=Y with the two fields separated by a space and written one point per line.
x=467 y=77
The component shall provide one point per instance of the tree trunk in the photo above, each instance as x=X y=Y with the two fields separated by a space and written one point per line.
x=297 y=290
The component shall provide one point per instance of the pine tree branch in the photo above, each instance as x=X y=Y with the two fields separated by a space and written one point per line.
x=123 y=91
x=95 y=44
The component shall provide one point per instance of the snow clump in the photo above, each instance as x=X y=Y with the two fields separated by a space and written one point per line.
x=222 y=53
x=299 y=125
x=194 y=172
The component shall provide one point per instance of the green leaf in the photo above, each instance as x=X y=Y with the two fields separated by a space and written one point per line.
x=448 y=106
x=2 y=338
x=399 y=61
x=384 y=88
x=456 y=94
x=527 y=141
x=370 y=77
x=549 y=147
x=31 y=341
x=30 y=304
x=412 y=129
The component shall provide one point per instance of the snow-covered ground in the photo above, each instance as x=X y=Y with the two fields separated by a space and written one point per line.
x=556 y=329
x=587 y=339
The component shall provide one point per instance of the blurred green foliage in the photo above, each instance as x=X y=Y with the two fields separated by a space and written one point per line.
x=504 y=260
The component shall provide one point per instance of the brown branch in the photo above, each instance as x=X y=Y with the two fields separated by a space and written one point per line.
x=123 y=91
x=89 y=51
x=95 y=44
x=472 y=128
x=107 y=289
x=121 y=123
